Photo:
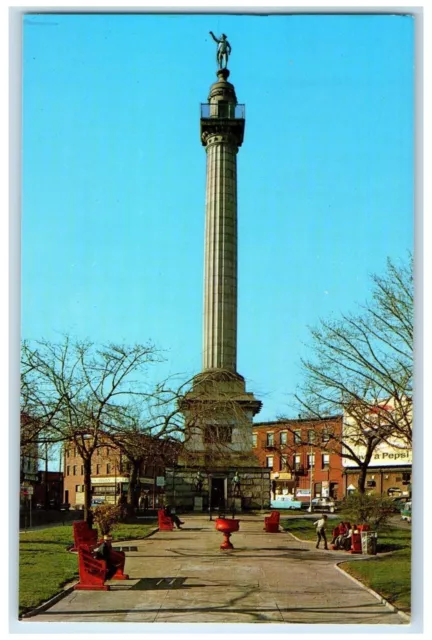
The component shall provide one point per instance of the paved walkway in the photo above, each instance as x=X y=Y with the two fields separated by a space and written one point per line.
x=183 y=576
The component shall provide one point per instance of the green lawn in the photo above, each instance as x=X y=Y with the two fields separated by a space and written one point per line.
x=388 y=575
x=45 y=565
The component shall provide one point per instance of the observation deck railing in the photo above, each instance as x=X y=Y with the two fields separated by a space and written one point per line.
x=223 y=110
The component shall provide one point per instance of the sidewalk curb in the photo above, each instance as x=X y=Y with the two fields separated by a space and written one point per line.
x=383 y=601
x=46 y=605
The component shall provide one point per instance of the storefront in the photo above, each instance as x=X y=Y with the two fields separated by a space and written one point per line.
x=282 y=484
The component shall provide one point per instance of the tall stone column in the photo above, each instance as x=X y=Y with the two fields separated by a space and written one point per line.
x=218 y=409
x=220 y=272
x=222 y=130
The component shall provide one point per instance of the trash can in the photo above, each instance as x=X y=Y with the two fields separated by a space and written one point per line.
x=369 y=542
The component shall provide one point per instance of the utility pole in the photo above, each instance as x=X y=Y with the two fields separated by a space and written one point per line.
x=312 y=465
x=46 y=476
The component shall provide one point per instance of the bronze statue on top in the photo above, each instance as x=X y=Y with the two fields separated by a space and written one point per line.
x=223 y=50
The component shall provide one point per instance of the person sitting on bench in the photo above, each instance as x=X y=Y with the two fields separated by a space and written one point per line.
x=338 y=531
x=174 y=518
x=103 y=552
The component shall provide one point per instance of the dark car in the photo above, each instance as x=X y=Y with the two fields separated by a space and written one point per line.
x=65 y=506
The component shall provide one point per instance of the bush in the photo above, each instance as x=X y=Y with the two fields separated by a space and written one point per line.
x=362 y=508
x=107 y=516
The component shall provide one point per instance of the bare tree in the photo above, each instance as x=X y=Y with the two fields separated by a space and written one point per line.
x=362 y=367
x=147 y=433
x=74 y=390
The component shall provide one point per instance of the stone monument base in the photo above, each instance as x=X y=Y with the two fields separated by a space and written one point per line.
x=217 y=492
x=198 y=503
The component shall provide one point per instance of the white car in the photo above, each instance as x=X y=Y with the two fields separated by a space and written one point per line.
x=324 y=504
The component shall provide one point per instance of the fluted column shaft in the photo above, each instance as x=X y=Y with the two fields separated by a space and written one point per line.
x=220 y=272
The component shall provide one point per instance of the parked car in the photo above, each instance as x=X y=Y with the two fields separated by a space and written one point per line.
x=97 y=502
x=324 y=504
x=406 y=512
x=399 y=503
x=287 y=504
x=65 y=506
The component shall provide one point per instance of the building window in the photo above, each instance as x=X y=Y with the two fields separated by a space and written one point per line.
x=325 y=436
x=67 y=453
x=107 y=451
x=310 y=461
x=78 y=488
x=325 y=460
x=284 y=462
x=406 y=477
x=82 y=488
x=269 y=462
x=311 y=436
x=318 y=490
x=297 y=462
x=98 y=469
x=68 y=470
x=108 y=468
x=75 y=452
x=74 y=470
x=218 y=433
x=297 y=437
x=270 y=439
x=82 y=469
x=283 y=438
x=254 y=440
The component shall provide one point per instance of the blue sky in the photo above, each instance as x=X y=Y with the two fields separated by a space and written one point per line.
x=113 y=178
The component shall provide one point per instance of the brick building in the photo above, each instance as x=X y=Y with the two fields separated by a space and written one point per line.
x=301 y=456
x=109 y=477
x=389 y=471
x=49 y=489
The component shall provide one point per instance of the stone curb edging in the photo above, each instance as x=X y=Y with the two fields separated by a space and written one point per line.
x=46 y=605
x=59 y=596
x=392 y=608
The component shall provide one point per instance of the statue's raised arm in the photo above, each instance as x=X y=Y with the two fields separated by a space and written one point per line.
x=223 y=50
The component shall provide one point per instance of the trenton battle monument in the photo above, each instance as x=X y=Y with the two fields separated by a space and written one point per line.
x=218 y=470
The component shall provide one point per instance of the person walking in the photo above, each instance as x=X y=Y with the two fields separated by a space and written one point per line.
x=320 y=530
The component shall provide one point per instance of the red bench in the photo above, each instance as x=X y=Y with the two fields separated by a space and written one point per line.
x=164 y=522
x=83 y=535
x=271 y=523
x=119 y=559
x=93 y=571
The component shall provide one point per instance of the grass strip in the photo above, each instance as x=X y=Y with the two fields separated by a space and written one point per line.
x=388 y=575
x=45 y=565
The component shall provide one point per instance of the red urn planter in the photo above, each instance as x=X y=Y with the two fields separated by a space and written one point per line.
x=227 y=527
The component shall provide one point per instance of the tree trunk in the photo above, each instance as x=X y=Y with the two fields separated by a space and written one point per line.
x=133 y=477
x=361 y=484
x=87 y=489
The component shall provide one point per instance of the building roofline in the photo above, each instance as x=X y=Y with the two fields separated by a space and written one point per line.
x=281 y=423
